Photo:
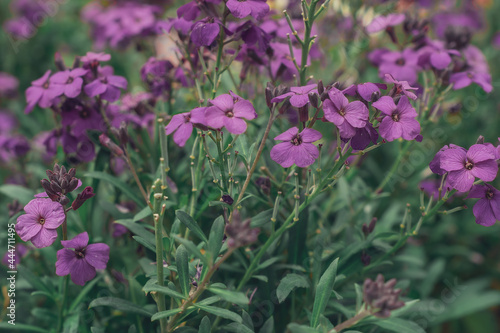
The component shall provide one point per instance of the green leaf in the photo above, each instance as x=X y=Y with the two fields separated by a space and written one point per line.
x=216 y=236
x=205 y=326
x=83 y=293
x=162 y=290
x=262 y=218
x=288 y=283
x=296 y=328
x=220 y=203
x=127 y=190
x=399 y=325
x=181 y=260
x=145 y=243
x=165 y=314
x=191 y=248
x=20 y=328
x=145 y=212
x=268 y=326
x=323 y=292
x=191 y=224
x=121 y=305
x=35 y=281
x=237 y=328
x=223 y=313
x=16 y=192
x=235 y=297
x=138 y=229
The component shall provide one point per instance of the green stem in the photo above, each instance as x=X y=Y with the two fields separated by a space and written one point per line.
x=350 y=322
x=65 y=282
x=158 y=210
x=394 y=167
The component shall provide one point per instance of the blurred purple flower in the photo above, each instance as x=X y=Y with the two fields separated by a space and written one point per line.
x=70 y=80
x=381 y=22
x=243 y=8
x=464 y=79
x=81 y=260
x=107 y=86
x=486 y=210
x=365 y=90
x=8 y=85
x=401 y=65
x=43 y=92
x=299 y=96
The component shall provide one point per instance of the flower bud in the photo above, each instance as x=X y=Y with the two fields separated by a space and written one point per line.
x=113 y=147
x=87 y=193
x=314 y=99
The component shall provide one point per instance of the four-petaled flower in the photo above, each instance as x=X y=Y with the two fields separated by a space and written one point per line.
x=228 y=111
x=486 y=210
x=182 y=124
x=39 y=224
x=299 y=96
x=296 y=148
x=107 y=86
x=81 y=260
x=43 y=92
x=70 y=80
x=464 y=166
x=399 y=121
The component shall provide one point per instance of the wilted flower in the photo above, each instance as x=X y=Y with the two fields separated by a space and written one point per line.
x=87 y=193
x=381 y=297
x=39 y=224
x=81 y=260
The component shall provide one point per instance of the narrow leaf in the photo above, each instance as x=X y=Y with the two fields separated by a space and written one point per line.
x=288 y=283
x=221 y=312
x=323 y=292
x=191 y=224
x=216 y=236
x=205 y=326
x=181 y=260
x=235 y=297
x=121 y=305
x=164 y=314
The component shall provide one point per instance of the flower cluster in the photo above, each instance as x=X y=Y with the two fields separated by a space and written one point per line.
x=381 y=297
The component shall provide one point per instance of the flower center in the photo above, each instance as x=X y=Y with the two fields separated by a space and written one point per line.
x=104 y=80
x=400 y=62
x=297 y=140
x=469 y=165
x=41 y=220
x=46 y=85
x=230 y=114
x=70 y=80
x=80 y=254
x=84 y=114
x=342 y=112
x=187 y=118
x=489 y=194
x=395 y=116
x=469 y=75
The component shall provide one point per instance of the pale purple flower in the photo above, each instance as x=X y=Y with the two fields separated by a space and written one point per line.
x=81 y=260
x=435 y=164
x=206 y=31
x=464 y=166
x=399 y=121
x=383 y=22
x=436 y=55
x=182 y=124
x=8 y=85
x=464 y=79
x=486 y=210
x=43 y=92
x=299 y=96
x=228 y=111
x=107 y=86
x=70 y=80
x=39 y=224
x=401 y=87
x=95 y=58
x=401 y=65
x=296 y=148
x=243 y=8
x=346 y=116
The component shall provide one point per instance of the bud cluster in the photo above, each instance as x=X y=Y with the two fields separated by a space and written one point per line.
x=381 y=296
x=60 y=183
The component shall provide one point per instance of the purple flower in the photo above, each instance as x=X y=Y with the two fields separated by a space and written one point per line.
x=243 y=8
x=346 y=116
x=39 y=224
x=228 y=111
x=399 y=121
x=436 y=55
x=383 y=22
x=435 y=164
x=464 y=166
x=486 y=210
x=206 y=31
x=365 y=90
x=401 y=65
x=92 y=59
x=464 y=79
x=364 y=136
x=70 y=80
x=182 y=124
x=299 y=96
x=155 y=74
x=81 y=262
x=401 y=87
x=42 y=92
x=8 y=85
x=80 y=117
x=296 y=148
x=108 y=86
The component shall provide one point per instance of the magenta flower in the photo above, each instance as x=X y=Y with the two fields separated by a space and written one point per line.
x=182 y=124
x=436 y=54
x=70 y=80
x=399 y=121
x=81 y=262
x=381 y=22
x=365 y=90
x=296 y=148
x=229 y=111
x=464 y=166
x=43 y=92
x=243 y=8
x=299 y=96
x=92 y=57
x=108 y=86
x=435 y=164
x=206 y=31
x=8 y=85
x=39 y=224
x=486 y=210
x=346 y=116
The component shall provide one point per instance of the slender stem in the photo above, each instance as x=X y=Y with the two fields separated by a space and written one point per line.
x=65 y=282
x=158 y=210
x=394 y=167
x=350 y=322
x=201 y=288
